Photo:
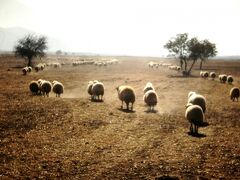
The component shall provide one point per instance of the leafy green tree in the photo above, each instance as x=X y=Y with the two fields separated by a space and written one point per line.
x=195 y=51
x=178 y=47
x=190 y=50
x=31 y=46
x=208 y=49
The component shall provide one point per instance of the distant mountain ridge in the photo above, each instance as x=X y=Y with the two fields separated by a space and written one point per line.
x=10 y=36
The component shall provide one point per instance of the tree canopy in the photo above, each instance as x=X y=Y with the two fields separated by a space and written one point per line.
x=31 y=46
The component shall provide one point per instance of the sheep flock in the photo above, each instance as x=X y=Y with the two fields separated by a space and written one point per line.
x=195 y=108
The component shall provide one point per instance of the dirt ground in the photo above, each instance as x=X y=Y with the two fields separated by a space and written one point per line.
x=73 y=138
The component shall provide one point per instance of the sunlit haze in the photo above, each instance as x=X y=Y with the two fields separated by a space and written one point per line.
x=126 y=27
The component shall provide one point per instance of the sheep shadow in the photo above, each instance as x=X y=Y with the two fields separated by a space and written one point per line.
x=96 y=100
x=182 y=76
x=151 y=111
x=126 y=110
x=204 y=124
x=37 y=94
x=197 y=135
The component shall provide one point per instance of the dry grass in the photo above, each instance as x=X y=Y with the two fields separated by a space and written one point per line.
x=72 y=137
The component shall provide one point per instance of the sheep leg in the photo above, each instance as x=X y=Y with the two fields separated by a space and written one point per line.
x=132 y=107
x=127 y=106
x=122 y=105
x=191 y=128
x=196 y=127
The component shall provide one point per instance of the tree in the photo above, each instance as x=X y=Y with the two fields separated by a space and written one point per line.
x=31 y=46
x=58 y=52
x=190 y=50
x=178 y=47
x=195 y=52
x=208 y=49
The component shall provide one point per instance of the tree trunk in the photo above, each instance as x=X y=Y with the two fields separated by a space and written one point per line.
x=181 y=63
x=29 y=61
x=185 y=63
x=201 y=64
x=189 y=71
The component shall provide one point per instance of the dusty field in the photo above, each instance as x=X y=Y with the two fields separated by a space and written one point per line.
x=72 y=137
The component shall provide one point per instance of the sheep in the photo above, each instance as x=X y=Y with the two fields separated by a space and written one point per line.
x=57 y=88
x=89 y=87
x=212 y=75
x=25 y=70
x=150 y=64
x=40 y=81
x=56 y=65
x=234 y=93
x=29 y=69
x=97 y=91
x=194 y=114
x=148 y=87
x=197 y=99
x=191 y=93
x=229 y=79
x=37 y=68
x=46 y=87
x=150 y=98
x=34 y=87
x=204 y=74
x=222 y=78
x=126 y=94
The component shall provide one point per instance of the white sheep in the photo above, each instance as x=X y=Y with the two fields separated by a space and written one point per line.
x=229 y=79
x=150 y=64
x=58 y=88
x=194 y=114
x=178 y=68
x=34 y=87
x=148 y=87
x=56 y=65
x=97 y=91
x=197 y=99
x=204 y=74
x=37 y=68
x=151 y=99
x=126 y=94
x=234 y=93
x=222 y=78
x=29 y=69
x=191 y=93
x=212 y=75
x=25 y=70
x=89 y=88
x=46 y=87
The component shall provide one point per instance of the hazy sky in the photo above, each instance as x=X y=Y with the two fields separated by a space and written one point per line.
x=132 y=27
